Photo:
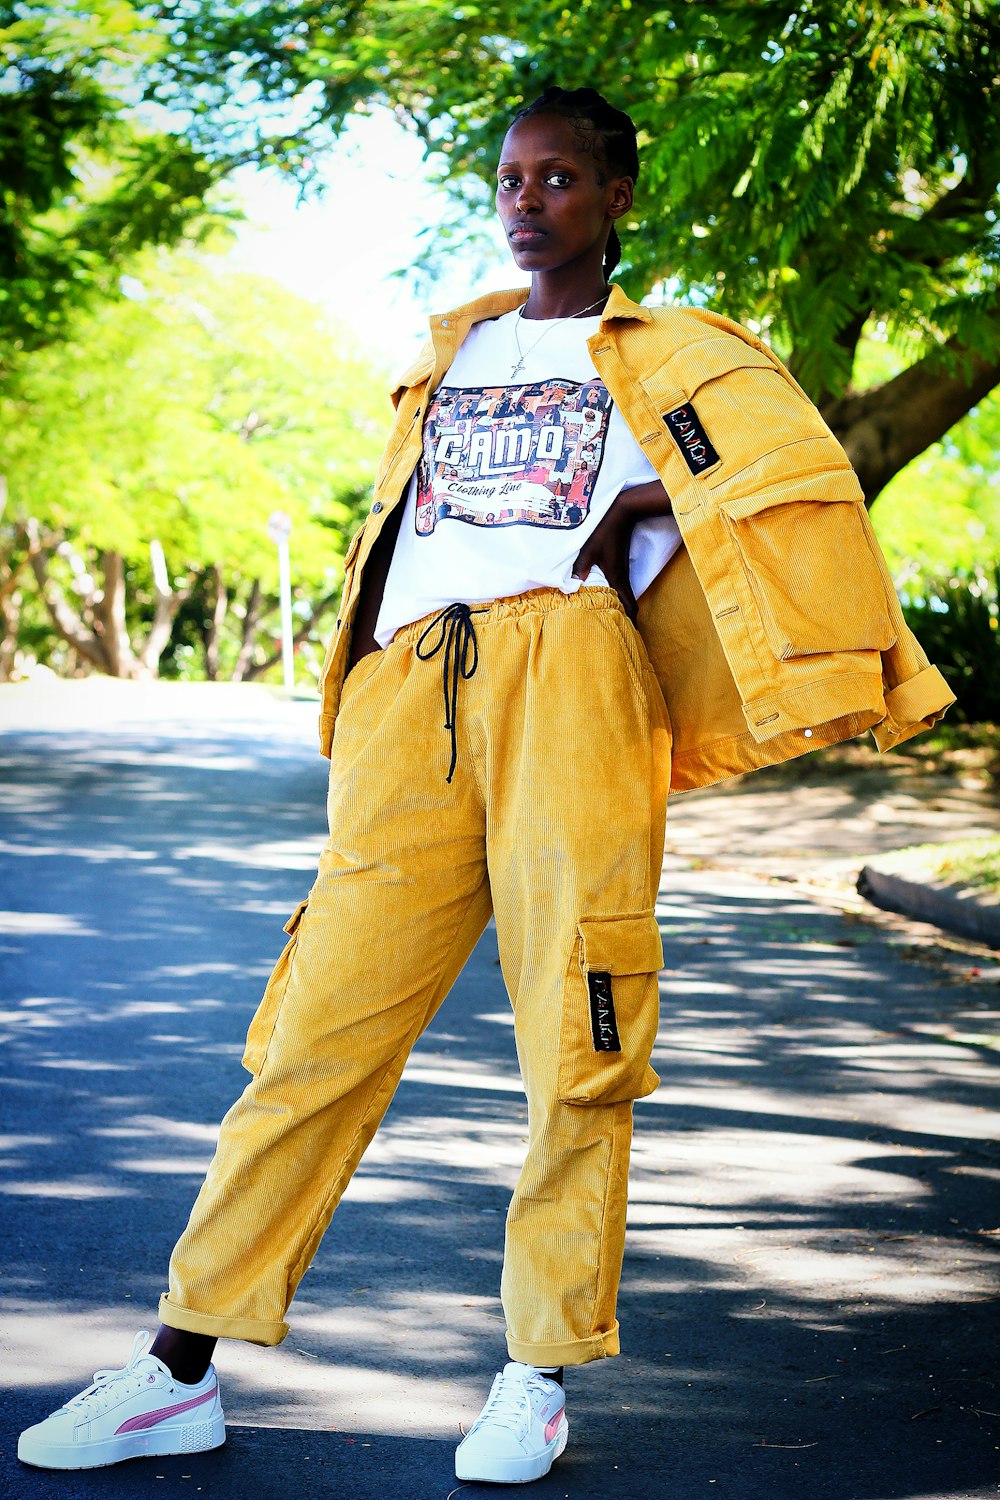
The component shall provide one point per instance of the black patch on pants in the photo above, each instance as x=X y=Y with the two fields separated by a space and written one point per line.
x=602 y=1014
x=684 y=426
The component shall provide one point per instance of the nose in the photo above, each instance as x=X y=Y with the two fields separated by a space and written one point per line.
x=527 y=199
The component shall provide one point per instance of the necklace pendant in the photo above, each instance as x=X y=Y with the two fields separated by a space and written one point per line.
x=516 y=369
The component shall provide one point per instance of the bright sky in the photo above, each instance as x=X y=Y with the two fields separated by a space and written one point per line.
x=343 y=250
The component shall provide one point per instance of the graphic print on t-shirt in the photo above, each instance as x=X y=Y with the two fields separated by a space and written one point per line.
x=512 y=455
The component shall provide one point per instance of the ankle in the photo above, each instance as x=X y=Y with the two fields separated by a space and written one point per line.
x=186 y=1355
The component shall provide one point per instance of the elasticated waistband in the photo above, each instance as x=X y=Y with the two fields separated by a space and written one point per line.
x=534 y=602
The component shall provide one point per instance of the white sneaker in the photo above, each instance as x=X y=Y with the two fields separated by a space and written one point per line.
x=127 y=1413
x=520 y=1431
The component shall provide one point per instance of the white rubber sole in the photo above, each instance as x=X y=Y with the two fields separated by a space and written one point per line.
x=512 y=1470
x=157 y=1442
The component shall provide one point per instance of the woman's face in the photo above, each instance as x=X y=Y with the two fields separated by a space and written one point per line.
x=553 y=199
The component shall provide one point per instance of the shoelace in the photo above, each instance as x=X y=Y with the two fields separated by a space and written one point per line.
x=456 y=635
x=97 y=1396
x=508 y=1403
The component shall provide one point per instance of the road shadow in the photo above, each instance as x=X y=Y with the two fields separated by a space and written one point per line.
x=809 y=1298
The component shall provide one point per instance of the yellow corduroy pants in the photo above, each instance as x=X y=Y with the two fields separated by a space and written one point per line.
x=554 y=820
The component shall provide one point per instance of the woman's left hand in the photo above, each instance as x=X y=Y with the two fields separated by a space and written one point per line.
x=608 y=547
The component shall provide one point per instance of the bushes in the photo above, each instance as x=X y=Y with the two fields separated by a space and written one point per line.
x=955 y=620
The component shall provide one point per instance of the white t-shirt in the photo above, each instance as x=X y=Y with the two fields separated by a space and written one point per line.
x=516 y=473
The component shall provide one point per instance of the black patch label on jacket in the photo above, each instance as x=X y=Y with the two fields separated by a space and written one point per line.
x=602 y=1014
x=691 y=438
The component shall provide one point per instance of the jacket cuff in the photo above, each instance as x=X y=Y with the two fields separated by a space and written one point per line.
x=912 y=707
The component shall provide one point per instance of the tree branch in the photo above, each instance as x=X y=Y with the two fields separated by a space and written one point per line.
x=973 y=193
x=257 y=669
x=213 y=631
x=251 y=617
x=65 y=619
x=969 y=198
x=168 y=602
x=885 y=427
x=109 y=618
x=10 y=574
x=847 y=338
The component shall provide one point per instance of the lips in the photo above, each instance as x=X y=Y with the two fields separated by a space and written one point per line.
x=526 y=234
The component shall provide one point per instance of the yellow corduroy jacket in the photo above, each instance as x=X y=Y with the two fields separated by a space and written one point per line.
x=776 y=628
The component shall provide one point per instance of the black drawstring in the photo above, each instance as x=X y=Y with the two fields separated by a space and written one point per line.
x=456 y=636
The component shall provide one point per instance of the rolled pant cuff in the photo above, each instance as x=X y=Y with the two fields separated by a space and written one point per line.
x=251 y=1330
x=573 y=1352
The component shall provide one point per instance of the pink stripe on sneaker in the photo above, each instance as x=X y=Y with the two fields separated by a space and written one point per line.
x=152 y=1418
x=552 y=1426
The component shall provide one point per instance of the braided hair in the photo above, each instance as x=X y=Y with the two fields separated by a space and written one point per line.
x=606 y=133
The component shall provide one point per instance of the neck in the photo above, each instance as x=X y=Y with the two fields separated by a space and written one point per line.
x=548 y=300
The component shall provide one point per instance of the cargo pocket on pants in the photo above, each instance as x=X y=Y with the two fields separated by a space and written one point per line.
x=611 y=1009
x=262 y=1025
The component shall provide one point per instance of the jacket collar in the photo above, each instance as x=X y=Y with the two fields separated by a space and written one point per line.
x=495 y=304
x=449 y=329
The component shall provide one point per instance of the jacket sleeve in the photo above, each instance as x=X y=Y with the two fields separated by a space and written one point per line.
x=774 y=521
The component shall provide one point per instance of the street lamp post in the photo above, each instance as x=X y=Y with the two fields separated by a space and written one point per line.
x=279 y=529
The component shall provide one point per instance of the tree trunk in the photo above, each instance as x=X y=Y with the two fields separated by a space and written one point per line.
x=882 y=429
x=10 y=619
x=10 y=599
x=109 y=619
x=251 y=619
x=67 y=621
x=168 y=602
x=105 y=644
x=220 y=603
x=257 y=669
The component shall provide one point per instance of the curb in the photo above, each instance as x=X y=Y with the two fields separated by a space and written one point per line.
x=963 y=915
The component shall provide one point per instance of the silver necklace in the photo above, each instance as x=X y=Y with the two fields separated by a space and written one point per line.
x=522 y=354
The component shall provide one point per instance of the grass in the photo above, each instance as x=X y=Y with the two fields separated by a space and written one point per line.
x=971 y=863
x=969 y=751
x=955 y=746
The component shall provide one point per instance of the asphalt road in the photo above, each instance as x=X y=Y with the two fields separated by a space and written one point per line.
x=809 y=1304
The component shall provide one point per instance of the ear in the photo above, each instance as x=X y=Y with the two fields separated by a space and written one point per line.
x=622 y=190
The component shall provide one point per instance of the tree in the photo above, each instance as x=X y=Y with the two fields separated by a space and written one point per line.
x=815 y=168
x=145 y=453
x=93 y=169
x=85 y=182
x=942 y=514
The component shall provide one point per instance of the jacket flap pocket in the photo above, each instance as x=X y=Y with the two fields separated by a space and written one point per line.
x=621 y=945
x=810 y=470
x=813 y=574
x=296 y=917
x=697 y=364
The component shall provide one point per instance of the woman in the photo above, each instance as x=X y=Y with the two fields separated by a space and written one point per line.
x=477 y=602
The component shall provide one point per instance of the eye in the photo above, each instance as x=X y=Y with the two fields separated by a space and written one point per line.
x=507 y=181
x=559 y=179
